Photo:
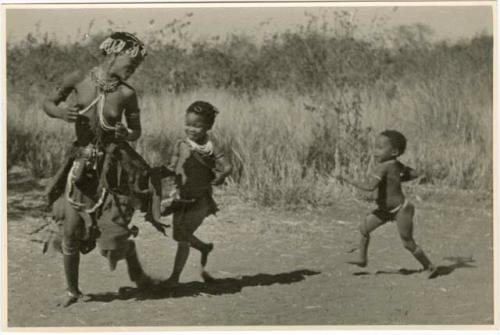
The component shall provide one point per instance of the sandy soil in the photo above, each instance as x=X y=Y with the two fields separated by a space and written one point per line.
x=274 y=267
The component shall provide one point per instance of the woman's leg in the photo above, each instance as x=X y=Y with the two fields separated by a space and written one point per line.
x=73 y=227
x=371 y=223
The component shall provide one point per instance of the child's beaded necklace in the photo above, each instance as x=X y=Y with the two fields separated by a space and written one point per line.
x=204 y=149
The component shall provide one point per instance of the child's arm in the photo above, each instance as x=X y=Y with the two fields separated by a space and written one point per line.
x=223 y=168
x=371 y=184
x=409 y=174
x=175 y=157
x=60 y=94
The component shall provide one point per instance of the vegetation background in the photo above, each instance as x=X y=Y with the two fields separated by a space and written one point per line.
x=295 y=107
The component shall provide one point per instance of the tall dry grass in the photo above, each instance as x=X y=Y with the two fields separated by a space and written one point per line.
x=293 y=110
x=284 y=148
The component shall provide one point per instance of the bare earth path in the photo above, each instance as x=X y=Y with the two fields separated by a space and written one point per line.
x=273 y=268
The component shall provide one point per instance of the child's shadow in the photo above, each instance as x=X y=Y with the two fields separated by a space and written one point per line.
x=218 y=286
x=402 y=271
x=441 y=270
x=458 y=263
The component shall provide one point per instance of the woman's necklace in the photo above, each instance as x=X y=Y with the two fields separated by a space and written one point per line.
x=104 y=83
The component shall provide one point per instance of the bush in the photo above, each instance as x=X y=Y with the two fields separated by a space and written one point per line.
x=295 y=107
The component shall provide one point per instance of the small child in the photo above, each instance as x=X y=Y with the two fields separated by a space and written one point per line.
x=198 y=164
x=392 y=204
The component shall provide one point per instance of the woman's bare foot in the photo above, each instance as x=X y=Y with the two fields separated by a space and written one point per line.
x=72 y=298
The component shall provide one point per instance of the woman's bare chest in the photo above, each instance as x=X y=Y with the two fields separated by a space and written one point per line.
x=86 y=94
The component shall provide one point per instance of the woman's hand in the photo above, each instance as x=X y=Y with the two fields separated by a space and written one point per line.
x=121 y=132
x=68 y=114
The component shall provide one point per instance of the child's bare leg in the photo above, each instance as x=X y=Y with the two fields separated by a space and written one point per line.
x=404 y=221
x=127 y=251
x=180 y=261
x=204 y=248
x=134 y=267
x=365 y=228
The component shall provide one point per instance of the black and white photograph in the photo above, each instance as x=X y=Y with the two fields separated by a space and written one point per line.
x=284 y=165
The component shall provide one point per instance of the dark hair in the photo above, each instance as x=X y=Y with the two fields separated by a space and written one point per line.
x=204 y=109
x=397 y=140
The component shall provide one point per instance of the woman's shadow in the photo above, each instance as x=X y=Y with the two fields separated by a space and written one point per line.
x=216 y=286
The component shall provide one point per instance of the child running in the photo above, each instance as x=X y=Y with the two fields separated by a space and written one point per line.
x=392 y=204
x=198 y=164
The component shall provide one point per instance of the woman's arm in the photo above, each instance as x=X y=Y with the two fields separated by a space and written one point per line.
x=60 y=94
x=133 y=130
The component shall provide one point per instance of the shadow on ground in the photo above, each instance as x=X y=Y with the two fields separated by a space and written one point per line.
x=219 y=286
x=458 y=263
x=441 y=270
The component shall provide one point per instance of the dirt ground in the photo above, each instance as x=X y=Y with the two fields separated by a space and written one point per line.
x=273 y=267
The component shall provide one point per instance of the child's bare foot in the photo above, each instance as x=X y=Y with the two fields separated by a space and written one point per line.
x=204 y=254
x=361 y=263
x=432 y=271
x=207 y=278
x=171 y=282
x=145 y=282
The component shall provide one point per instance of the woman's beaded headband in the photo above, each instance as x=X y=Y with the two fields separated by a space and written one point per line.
x=123 y=42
